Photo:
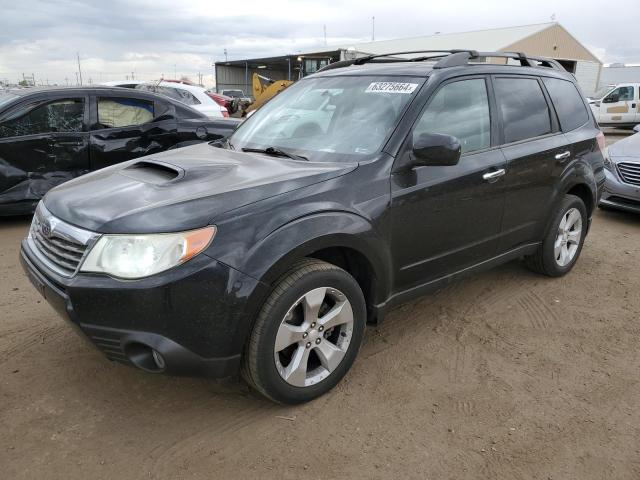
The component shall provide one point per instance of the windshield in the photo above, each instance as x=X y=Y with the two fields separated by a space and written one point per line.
x=233 y=93
x=603 y=91
x=330 y=118
x=6 y=97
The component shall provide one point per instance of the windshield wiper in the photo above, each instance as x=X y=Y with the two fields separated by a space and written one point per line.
x=276 y=152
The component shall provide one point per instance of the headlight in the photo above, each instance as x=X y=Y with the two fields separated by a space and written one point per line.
x=138 y=256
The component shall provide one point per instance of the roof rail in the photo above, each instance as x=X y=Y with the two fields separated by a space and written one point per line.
x=448 y=58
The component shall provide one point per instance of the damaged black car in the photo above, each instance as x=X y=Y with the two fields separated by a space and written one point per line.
x=50 y=135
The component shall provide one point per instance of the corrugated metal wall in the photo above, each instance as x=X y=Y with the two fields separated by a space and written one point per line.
x=615 y=75
x=587 y=74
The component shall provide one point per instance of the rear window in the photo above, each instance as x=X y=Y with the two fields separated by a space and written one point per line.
x=570 y=107
x=525 y=113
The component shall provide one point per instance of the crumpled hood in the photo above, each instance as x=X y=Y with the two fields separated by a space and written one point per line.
x=626 y=149
x=180 y=189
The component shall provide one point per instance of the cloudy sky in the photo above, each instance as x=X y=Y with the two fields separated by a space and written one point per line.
x=155 y=37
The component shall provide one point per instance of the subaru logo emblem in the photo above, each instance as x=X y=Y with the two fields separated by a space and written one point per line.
x=46 y=228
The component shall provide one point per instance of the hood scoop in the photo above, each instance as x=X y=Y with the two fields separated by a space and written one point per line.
x=152 y=171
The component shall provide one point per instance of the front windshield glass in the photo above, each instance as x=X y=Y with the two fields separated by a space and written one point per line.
x=330 y=118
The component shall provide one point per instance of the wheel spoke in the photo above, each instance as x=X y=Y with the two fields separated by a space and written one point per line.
x=563 y=223
x=340 y=314
x=564 y=256
x=296 y=372
x=572 y=218
x=557 y=247
x=329 y=354
x=312 y=303
x=574 y=236
x=287 y=335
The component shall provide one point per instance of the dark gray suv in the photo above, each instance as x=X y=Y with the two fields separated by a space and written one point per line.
x=352 y=191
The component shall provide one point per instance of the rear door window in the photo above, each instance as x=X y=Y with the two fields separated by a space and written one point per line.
x=460 y=109
x=568 y=102
x=523 y=107
x=64 y=115
x=117 y=112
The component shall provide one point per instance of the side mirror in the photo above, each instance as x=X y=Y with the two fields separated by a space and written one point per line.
x=435 y=149
x=637 y=128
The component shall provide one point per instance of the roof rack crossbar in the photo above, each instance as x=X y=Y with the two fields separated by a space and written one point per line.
x=449 y=58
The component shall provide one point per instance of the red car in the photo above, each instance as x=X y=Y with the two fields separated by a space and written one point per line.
x=230 y=103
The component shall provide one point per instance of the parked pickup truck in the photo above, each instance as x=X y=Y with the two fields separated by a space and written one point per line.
x=618 y=106
x=267 y=253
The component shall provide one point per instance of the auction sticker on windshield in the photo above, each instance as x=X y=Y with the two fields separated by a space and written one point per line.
x=391 y=87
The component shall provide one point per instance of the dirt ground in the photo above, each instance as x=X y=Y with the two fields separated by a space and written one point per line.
x=504 y=375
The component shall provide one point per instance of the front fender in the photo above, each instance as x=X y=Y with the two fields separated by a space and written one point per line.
x=268 y=258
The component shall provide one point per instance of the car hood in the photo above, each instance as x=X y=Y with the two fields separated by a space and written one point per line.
x=627 y=149
x=180 y=189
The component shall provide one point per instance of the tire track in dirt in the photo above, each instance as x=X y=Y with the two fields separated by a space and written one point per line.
x=541 y=316
x=28 y=338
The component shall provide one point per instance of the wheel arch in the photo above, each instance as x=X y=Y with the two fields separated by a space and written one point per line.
x=344 y=239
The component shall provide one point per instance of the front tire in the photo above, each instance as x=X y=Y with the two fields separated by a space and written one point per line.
x=563 y=242
x=307 y=334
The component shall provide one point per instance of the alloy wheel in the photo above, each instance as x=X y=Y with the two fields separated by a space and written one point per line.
x=313 y=337
x=568 y=237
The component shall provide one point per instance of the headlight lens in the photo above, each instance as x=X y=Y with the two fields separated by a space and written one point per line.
x=138 y=256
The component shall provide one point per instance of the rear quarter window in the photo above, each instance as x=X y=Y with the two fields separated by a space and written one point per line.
x=568 y=102
x=524 y=110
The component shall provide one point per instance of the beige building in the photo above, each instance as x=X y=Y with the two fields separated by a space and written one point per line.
x=545 y=39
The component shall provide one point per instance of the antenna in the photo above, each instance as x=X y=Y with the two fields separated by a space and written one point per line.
x=79 y=69
x=373 y=29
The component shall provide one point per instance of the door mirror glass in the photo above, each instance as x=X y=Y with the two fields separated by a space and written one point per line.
x=435 y=149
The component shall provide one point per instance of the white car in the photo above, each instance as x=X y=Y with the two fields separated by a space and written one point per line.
x=617 y=105
x=123 y=83
x=192 y=95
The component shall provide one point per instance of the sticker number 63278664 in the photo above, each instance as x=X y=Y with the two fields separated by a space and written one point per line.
x=391 y=87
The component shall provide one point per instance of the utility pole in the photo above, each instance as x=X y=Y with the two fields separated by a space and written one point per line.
x=66 y=80
x=324 y=28
x=132 y=76
x=77 y=79
x=79 y=69
x=225 y=55
x=373 y=29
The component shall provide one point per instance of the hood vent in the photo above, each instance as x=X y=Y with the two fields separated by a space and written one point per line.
x=153 y=171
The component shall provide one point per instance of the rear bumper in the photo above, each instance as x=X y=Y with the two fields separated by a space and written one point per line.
x=620 y=195
x=194 y=316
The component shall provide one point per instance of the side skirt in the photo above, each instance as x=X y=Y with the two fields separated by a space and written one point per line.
x=398 y=298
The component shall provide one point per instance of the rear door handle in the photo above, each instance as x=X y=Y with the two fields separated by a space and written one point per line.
x=563 y=155
x=492 y=176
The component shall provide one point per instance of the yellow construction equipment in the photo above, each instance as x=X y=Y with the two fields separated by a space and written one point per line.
x=265 y=88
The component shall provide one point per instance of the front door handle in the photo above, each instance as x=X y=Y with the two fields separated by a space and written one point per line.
x=563 y=155
x=493 y=176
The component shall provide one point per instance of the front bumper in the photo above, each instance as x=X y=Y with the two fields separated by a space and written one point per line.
x=196 y=316
x=620 y=195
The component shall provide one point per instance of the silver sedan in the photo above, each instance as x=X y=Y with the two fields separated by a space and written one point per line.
x=622 y=189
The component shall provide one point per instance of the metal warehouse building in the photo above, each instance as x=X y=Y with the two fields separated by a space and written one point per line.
x=545 y=39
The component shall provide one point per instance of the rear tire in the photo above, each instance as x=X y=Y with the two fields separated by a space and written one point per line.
x=307 y=334
x=563 y=241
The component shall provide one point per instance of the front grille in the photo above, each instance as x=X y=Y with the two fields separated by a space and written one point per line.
x=59 y=245
x=630 y=172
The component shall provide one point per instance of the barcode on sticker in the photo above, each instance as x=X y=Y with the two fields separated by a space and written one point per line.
x=391 y=87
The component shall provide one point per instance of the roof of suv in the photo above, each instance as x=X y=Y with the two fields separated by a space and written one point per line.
x=450 y=61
